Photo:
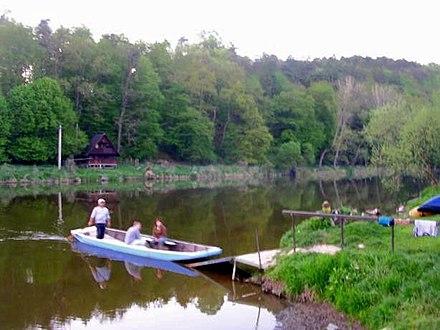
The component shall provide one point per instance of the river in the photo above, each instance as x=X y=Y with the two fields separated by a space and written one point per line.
x=44 y=284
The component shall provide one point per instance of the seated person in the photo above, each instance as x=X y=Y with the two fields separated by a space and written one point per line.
x=326 y=208
x=149 y=174
x=133 y=235
x=159 y=230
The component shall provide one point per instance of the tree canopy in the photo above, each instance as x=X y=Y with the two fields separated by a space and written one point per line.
x=203 y=103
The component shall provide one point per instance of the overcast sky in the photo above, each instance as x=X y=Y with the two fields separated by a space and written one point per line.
x=299 y=28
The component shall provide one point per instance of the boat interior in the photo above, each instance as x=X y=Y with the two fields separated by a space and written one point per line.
x=151 y=242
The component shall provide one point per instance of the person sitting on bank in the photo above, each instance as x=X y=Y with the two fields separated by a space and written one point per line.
x=100 y=217
x=149 y=174
x=326 y=208
x=159 y=230
x=133 y=235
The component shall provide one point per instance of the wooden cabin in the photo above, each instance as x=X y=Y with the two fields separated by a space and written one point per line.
x=100 y=152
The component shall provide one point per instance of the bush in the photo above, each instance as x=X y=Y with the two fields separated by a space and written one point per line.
x=288 y=155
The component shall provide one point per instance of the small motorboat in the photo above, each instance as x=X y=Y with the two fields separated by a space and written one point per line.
x=171 y=250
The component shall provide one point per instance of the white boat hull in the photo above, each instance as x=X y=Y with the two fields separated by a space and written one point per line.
x=88 y=236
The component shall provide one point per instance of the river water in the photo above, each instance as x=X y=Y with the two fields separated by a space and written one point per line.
x=45 y=284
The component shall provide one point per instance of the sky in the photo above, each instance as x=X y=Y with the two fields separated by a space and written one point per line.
x=303 y=29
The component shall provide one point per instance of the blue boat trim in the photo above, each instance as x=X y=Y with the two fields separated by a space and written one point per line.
x=138 y=261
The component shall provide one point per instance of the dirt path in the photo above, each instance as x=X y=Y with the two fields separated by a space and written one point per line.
x=300 y=316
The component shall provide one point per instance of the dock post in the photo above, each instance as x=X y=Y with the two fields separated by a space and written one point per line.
x=293 y=233
x=258 y=249
x=342 y=232
x=234 y=269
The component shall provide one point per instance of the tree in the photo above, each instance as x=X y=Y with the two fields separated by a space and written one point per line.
x=133 y=86
x=188 y=134
x=20 y=55
x=348 y=89
x=5 y=128
x=37 y=109
x=245 y=136
x=288 y=155
x=404 y=139
x=191 y=136
x=293 y=118
x=325 y=106
x=142 y=118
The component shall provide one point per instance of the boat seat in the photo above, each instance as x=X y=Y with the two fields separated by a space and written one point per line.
x=153 y=241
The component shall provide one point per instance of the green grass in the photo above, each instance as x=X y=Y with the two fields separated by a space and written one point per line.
x=399 y=290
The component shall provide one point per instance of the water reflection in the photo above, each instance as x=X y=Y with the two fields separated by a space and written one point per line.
x=133 y=264
x=43 y=283
x=101 y=270
x=134 y=270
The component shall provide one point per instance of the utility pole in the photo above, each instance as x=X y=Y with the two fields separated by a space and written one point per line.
x=59 y=146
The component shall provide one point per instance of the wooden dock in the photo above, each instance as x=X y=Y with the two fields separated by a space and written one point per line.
x=265 y=260
x=250 y=259
x=259 y=261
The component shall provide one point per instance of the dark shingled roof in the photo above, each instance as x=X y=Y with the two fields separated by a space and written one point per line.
x=109 y=151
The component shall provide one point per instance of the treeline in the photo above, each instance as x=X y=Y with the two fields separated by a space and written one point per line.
x=200 y=103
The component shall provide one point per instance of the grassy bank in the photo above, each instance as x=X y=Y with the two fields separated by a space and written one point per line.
x=50 y=174
x=327 y=173
x=22 y=174
x=373 y=285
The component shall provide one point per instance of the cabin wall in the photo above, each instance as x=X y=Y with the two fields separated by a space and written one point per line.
x=102 y=161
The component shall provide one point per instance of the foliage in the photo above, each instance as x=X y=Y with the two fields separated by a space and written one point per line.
x=202 y=102
x=288 y=155
x=20 y=55
x=37 y=109
x=405 y=139
x=5 y=128
x=191 y=136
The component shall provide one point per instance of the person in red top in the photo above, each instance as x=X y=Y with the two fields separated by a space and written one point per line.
x=159 y=230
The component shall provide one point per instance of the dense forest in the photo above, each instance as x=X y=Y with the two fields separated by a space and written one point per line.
x=203 y=103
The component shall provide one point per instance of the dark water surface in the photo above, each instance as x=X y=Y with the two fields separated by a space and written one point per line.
x=44 y=284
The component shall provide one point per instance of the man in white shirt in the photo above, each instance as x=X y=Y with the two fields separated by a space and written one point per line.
x=100 y=217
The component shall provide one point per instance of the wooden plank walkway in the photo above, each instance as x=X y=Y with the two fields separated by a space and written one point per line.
x=210 y=262
x=252 y=259
x=261 y=261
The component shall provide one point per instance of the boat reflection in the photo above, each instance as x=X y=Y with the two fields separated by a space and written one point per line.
x=133 y=264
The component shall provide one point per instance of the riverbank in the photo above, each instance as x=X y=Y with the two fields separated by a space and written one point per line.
x=23 y=175
x=327 y=173
x=50 y=175
x=366 y=281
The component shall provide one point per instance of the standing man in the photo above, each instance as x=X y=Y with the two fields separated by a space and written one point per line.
x=100 y=217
